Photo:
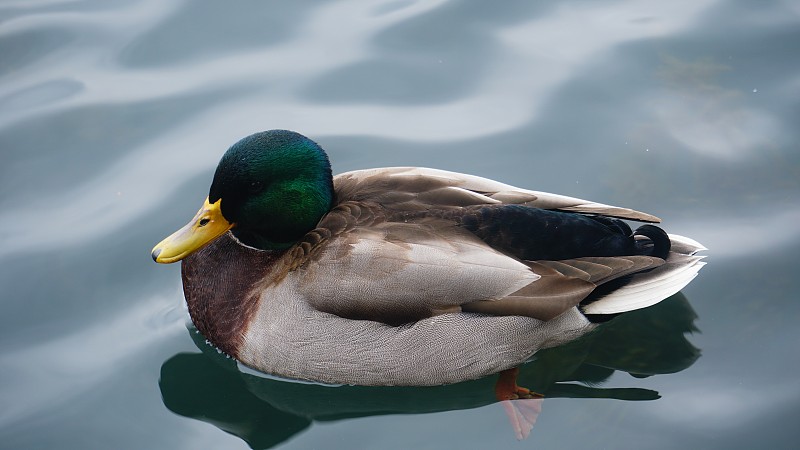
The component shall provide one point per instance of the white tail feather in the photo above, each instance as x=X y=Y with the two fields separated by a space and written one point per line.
x=647 y=289
x=689 y=242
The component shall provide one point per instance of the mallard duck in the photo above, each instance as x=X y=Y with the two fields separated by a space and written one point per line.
x=404 y=275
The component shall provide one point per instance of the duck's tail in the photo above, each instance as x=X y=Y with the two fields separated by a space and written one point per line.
x=645 y=289
x=657 y=242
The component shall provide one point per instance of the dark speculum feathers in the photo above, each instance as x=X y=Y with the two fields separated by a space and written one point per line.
x=538 y=234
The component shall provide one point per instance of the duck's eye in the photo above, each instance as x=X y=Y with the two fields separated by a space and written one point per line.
x=204 y=221
x=255 y=187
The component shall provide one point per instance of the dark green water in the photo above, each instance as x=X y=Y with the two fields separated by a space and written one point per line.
x=113 y=115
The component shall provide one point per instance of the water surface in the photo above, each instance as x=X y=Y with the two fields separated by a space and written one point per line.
x=113 y=115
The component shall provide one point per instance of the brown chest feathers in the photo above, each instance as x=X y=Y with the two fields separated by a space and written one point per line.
x=218 y=283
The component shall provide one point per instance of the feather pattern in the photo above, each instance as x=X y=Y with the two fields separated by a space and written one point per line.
x=421 y=276
x=361 y=184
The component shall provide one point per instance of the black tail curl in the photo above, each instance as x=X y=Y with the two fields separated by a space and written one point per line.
x=658 y=244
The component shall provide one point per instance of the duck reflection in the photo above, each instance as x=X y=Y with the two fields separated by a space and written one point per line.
x=267 y=411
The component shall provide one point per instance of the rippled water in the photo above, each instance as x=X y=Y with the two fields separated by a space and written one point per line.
x=113 y=115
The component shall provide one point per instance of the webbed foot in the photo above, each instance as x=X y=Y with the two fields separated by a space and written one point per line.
x=506 y=387
x=522 y=406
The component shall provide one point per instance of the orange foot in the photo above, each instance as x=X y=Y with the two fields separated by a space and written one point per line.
x=520 y=404
x=507 y=389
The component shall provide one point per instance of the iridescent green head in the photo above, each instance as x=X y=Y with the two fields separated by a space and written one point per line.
x=269 y=188
x=275 y=186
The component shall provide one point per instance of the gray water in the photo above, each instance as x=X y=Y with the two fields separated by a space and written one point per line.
x=113 y=115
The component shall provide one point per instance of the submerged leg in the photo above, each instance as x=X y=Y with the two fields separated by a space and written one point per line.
x=506 y=387
x=522 y=406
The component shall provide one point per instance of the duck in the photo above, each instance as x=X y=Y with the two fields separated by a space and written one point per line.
x=405 y=276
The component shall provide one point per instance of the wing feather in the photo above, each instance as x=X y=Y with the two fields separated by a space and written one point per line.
x=431 y=185
x=395 y=265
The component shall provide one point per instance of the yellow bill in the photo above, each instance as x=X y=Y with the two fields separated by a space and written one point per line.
x=207 y=225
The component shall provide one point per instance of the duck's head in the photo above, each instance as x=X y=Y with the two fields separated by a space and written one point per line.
x=269 y=188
